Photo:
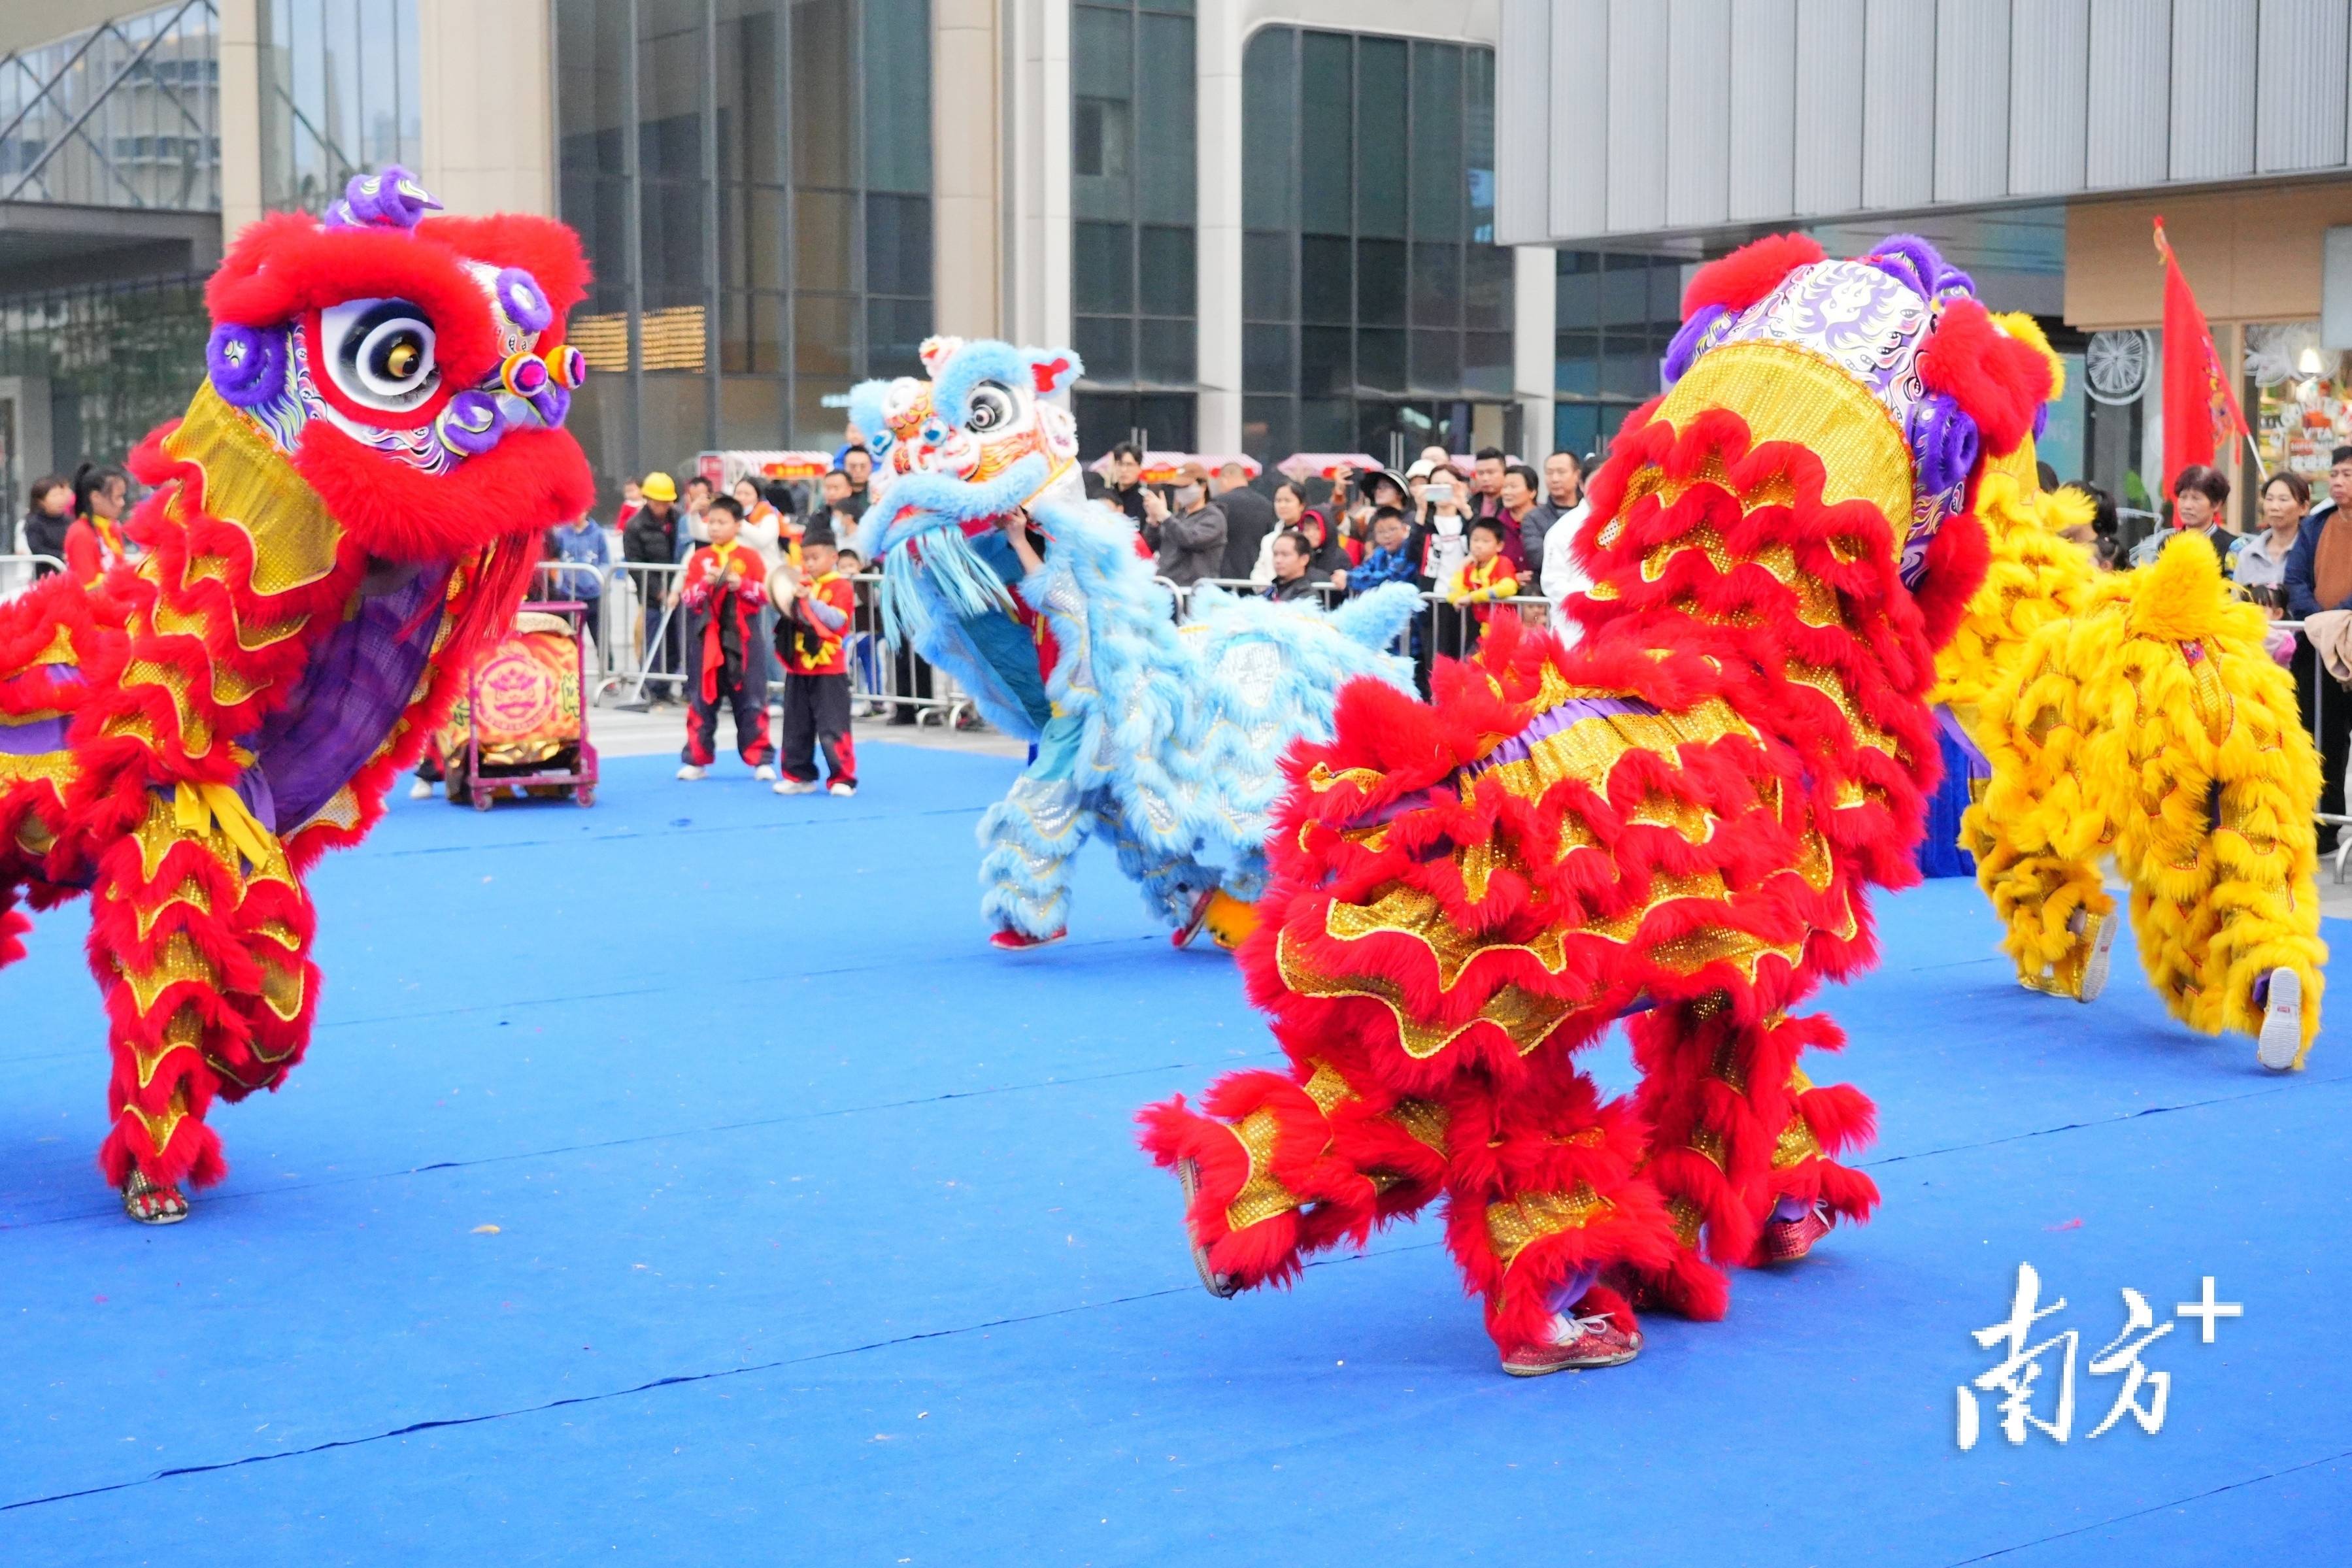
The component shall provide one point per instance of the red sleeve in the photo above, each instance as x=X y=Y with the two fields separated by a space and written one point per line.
x=694 y=590
x=755 y=586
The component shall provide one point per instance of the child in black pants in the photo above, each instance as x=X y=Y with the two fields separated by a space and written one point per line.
x=814 y=608
x=724 y=583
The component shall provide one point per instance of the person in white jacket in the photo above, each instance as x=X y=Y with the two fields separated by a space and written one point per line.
x=1561 y=574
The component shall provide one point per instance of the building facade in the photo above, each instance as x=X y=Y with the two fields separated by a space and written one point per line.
x=1267 y=226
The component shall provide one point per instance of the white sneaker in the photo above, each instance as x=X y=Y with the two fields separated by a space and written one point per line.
x=421 y=790
x=691 y=773
x=764 y=774
x=2282 y=1037
x=2103 y=950
x=842 y=789
x=795 y=786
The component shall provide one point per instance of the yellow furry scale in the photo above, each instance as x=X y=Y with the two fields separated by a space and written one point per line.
x=2140 y=715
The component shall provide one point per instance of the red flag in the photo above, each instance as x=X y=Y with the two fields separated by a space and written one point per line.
x=2200 y=410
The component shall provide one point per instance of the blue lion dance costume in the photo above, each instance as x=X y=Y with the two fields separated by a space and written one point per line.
x=1167 y=737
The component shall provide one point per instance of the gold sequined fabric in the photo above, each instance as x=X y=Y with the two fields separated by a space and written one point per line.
x=1513 y=1225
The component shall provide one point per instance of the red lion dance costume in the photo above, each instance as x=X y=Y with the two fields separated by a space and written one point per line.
x=353 y=500
x=1675 y=822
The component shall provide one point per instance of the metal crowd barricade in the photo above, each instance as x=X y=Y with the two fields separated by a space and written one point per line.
x=19 y=571
x=896 y=682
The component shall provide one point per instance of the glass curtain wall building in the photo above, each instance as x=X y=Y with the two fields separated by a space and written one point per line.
x=1134 y=140
x=753 y=180
x=1616 y=316
x=339 y=95
x=1378 y=309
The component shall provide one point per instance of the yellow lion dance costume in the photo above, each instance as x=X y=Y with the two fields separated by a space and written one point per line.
x=2138 y=715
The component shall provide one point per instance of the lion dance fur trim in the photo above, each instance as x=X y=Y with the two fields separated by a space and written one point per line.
x=1675 y=822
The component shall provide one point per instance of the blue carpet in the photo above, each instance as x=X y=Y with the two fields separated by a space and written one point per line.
x=821 y=1238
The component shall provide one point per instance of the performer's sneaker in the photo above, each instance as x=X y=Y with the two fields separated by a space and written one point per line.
x=1182 y=937
x=1577 y=1344
x=2103 y=949
x=151 y=1203
x=421 y=790
x=1012 y=941
x=693 y=771
x=2280 y=1039
x=842 y=788
x=1222 y=1286
x=764 y=774
x=795 y=786
x=1786 y=1240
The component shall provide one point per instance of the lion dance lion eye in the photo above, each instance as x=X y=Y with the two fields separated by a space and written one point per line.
x=992 y=408
x=379 y=354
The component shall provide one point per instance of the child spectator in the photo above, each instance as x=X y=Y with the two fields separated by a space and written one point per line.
x=814 y=607
x=725 y=585
x=1485 y=578
x=1389 y=559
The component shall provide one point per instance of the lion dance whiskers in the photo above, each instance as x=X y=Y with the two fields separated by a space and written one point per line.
x=1677 y=821
x=351 y=503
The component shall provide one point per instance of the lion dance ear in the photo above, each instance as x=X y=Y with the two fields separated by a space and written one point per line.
x=1999 y=382
x=1051 y=369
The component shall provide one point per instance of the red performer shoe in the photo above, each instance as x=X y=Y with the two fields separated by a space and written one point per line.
x=1588 y=1335
x=1786 y=1240
x=1182 y=937
x=1011 y=941
x=151 y=1203
x=1188 y=1175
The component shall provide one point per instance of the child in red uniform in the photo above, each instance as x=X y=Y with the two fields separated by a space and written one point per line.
x=724 y=583
x=814 y=606
x=1485 y=578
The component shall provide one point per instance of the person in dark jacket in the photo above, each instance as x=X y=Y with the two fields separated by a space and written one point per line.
x=1192 y=534
x=652 y=539
x=2302 y=576
x=46 y=519
x=1293 y=577
x=1127 y=487
x=1249 y=518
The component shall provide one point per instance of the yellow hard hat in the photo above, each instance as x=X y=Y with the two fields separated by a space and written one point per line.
x=659 y=487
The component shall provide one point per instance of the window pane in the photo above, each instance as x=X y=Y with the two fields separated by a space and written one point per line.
x=1324 y=366
x=1166 y=420
x=1102 y=134
x=1266 y=362
x=1666 y=293
x=1379 y=358
x=1102 y=267
x=822 y=84
x=1624 y=291
x=1325 y=291
x=1577 y=350
x=751 y=411
x=1325 y=150
x=1165 y=187
x=1166 y=350
x=1577 y=290
x=1104 y=420
x=1478 y=153
x=1269 y=428
x=1488 y=363
x=898 y=116
x=1628 y=369
x=1437 y=360
x=1106 y=344
x=821 y=230
x=1326 y=424
x=1437 y=179
x=895 y=332
x=1168 y=260
x=1379 y=282
x=1269 y=130
x=1100 y=50
x=673 y=242
x=1436 y=284
x=897 y=244
x=1575 y=427
x=1487 y=296
x=822 y=340
x=1380 y=137
x=1266 y=277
